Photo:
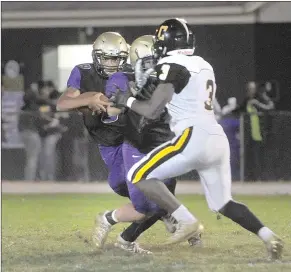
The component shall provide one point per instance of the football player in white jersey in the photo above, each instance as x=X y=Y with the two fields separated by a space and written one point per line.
x=187 y=88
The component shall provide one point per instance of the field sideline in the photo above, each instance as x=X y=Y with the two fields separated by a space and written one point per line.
x=183 y=187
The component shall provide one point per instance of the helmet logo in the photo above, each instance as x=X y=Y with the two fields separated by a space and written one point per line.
x=161 y=31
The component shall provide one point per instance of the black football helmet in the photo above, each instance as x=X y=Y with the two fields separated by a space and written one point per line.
x=174 y=36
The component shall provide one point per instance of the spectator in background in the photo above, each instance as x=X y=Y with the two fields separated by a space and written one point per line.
x=3 y=134
x=54 y=94
x=50 y=130
x=75 y=148
x=40 y=131
x=29 y=130
x=229 y=107
x=254 y=99
x=255 y=103
x=216 y=109
x=230 y=124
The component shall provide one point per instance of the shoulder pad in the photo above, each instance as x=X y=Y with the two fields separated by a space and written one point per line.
x=168 y=59
x=174 y=73
x=85 y=66
x=180 y=60
x=192 y=63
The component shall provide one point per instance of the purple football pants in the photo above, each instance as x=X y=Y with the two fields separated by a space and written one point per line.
x=119 y=160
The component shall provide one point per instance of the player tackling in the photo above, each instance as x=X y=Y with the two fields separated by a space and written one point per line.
x=187 y=88
x=108 y=132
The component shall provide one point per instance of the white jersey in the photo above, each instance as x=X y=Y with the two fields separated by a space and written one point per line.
x=200 y=142
x=195 y=87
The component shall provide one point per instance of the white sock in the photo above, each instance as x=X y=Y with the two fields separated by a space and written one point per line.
x=265 y=234
x=113 y=216
x=183 y=214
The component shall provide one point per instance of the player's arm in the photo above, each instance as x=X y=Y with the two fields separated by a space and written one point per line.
x=73 y=99
x=173 y=78
x=153 y=107
x=268 y=105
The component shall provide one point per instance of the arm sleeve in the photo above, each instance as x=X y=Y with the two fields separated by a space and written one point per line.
x=74 y=80
x=176 y=74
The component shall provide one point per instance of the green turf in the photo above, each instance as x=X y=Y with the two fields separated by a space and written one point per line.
x=39 y=233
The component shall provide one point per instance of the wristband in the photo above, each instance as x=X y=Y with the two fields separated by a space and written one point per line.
x=130 y=101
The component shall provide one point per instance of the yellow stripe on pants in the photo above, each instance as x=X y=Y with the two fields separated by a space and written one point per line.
x=162 y=154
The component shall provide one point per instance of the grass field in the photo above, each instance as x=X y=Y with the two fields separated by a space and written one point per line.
x=39 y=233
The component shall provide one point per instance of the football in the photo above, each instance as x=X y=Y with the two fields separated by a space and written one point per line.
x=86 y=110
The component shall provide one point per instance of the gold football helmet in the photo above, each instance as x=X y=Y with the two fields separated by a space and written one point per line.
x=109 y=53
x=142 y=48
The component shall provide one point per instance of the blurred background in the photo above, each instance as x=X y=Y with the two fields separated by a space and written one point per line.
x=247 y=43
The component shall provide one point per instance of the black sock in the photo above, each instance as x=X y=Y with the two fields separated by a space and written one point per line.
x=172 y=187
x=109 y=218
x=241 y=214
x=162 y=213
x=132 y=232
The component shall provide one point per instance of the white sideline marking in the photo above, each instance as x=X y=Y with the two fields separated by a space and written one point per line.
x=183 y=187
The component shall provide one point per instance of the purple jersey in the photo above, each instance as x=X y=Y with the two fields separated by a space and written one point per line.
x=74 y=80
x=104 y=130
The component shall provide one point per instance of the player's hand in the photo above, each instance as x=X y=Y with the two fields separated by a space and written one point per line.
x=98 y=102
x=142 y=94
x=141 y=76
x=120 y=98
x=146 y=92
x=112 y=111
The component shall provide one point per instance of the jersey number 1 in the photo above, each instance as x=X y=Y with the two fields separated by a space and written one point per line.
x=210 y=89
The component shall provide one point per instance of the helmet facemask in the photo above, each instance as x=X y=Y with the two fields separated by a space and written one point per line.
x=147 y=61
x=108 y=63
x=160 y=50
x=142 y=48
x=109 y=53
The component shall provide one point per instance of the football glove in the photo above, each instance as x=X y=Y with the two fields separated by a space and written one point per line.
x=146 y=92
x=119 y=98
x=141 y=76
x=142 y=94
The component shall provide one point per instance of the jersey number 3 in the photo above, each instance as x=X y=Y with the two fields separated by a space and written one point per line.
x=164 y=71
x=210 y=89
